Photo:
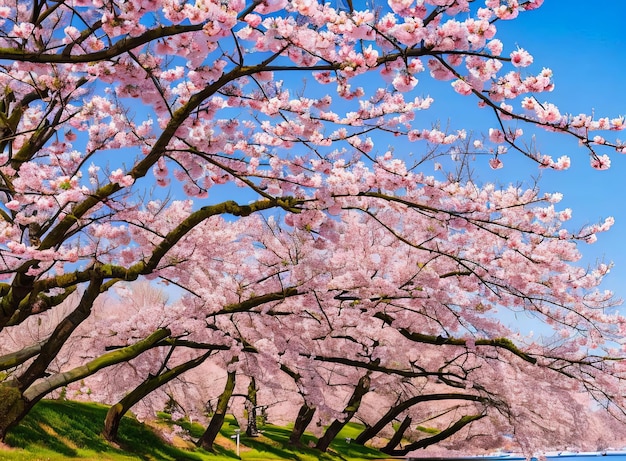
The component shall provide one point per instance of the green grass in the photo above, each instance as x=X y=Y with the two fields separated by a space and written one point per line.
x=62 y=430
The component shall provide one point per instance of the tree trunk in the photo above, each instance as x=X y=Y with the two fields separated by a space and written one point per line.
x=60 y=335
x=393 y=412
x=18 y=400
x=12 y=405
x=423 y=443
x=251 y=402
x=117 y=411
x=207 y=439
x=304 y=418
x=397 y=436
x=15 y=404
x=353 y=405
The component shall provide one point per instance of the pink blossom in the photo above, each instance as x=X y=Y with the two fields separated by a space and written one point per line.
x=404 y=82
x=120 y=178
x=462 y=87
x=600 y=162
x=495 y=47
x=562 y=163
x=23 y=30
x=521 y=58
x=439 y=71
x=13 y=205
x=496 y=136
x=618 y=124
x=495 y=163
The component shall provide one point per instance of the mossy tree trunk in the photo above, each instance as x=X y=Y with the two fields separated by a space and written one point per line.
x=304 y=418
x=208 y=438
x=17 y=403
x=354 y=403
x=11 y=407
x=117 y=411
x=251 y=406
x=397 y=409
x=397 y=436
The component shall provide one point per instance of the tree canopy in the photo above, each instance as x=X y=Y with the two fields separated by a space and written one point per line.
x=247 y=153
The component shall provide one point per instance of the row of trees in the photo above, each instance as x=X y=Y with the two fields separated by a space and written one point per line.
x=337 y=271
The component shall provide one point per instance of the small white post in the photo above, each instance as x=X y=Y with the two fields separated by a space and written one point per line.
x=236 y=436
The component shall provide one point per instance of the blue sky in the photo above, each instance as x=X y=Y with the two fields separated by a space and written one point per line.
x=584 y=44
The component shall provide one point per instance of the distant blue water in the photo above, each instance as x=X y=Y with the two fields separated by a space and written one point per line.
x=608 y=456
x=621 y=456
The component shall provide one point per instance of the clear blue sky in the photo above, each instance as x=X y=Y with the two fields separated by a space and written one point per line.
x=584 y=43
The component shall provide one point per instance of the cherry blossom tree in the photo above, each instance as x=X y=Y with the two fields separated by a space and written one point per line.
x=125 y=126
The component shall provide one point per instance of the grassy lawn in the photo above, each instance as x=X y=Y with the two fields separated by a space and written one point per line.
x=61 y=430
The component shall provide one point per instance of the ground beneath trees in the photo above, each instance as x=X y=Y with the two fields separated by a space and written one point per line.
x=58 y=430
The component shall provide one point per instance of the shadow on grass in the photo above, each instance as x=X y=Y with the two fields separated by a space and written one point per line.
x=273 y=441
x=73 y=430
x=66 y=427
x=349 y=449
x=63 y=427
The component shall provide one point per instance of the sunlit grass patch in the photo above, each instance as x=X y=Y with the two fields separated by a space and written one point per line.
x=61 y=430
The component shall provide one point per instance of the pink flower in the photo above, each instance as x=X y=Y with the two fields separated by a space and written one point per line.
x=495 y=47
x=495 y=163
x=617 y=123
x=118 y=177
x=462 y=87
x=13 y=205
x=521 y=58
x=496 y=135
x=23 y=30
x=600 y=162
x=404 y=82
x=528 y=103
x=562 y=163
x=439 y=71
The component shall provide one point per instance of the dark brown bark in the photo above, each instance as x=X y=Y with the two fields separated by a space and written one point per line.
x=117 y=411
x=396 y=410
x=354 y=403
x=304 y=418
x=251 y=406
x=397 y=436
x=426 y=442
x=60 y=335
x=208 y=438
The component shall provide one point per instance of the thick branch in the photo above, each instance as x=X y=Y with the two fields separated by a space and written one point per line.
x=456 y=427
x=60 y=335
x=120 y=47
x=393 y=412
x=502 y=343
x=115 y=413
x=44 y=386
x=16 y=358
